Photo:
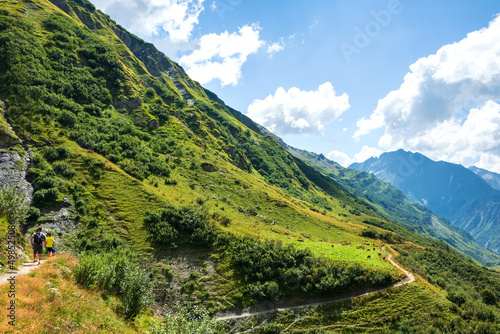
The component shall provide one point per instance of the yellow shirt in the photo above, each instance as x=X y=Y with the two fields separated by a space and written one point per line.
x=50 y=242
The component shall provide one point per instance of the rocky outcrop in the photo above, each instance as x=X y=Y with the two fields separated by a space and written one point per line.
x=63 y=4
x=154 y=124
x=208 y=167
x=128 y=103
x=14 y=159
x=7 y=136
x=13 y=166
x=60 y=220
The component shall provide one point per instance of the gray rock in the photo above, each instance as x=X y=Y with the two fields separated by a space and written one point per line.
x=13 y=166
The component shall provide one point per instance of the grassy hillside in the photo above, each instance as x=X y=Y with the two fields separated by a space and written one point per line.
x=393 y=204
x=147 y=177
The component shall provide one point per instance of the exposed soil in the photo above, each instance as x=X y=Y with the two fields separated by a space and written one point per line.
x=23 y=269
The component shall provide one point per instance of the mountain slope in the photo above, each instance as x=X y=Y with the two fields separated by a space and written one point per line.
x=393 y=204
x=451 y=191
x=176 y=196
x=492 y=178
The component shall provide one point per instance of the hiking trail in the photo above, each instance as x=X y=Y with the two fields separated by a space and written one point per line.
x=23 y=269
x=270 y=307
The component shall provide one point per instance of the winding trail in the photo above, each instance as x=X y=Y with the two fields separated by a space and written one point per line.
x=24 y=269
x=270 y=307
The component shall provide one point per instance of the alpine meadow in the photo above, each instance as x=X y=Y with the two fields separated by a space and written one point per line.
x=175 y=213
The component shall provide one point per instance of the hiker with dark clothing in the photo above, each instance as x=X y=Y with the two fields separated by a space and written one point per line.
x=39 y=242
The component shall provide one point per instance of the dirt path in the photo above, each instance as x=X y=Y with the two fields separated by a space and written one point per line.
x=23 y=269
x=270 y=307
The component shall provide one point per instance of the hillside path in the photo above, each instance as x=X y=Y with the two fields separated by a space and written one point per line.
x=23 y=269
x=270 y=307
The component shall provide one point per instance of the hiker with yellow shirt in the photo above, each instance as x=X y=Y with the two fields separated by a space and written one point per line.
x=50 y=245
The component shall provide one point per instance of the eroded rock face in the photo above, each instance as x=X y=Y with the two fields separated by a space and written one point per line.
x=13 y=166
x=208 y=167
x=63 y=4
x=128 y=103
x=60 y=220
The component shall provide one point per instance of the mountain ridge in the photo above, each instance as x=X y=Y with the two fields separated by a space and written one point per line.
x=492 y=178
x=450 y=190
x=168 y=196
x=392 y=203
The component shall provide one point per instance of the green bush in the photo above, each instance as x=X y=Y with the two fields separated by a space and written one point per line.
x=488 y=297
x=56 y=153
x=45 y=182
x=33 y=213
x=369 y=233
x=166 y=225
x=45 y=196
x=13 y=204
x=65 y=169
x=187 y=320
x=273 y=270
x=119 y=272
x=66 y=118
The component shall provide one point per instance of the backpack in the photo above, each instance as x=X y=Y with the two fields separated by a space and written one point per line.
x=38 y=238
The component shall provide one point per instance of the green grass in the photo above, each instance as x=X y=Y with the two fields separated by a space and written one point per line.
x=349 y=253
x=375 y=312
x=50 y=296
x=258 y=188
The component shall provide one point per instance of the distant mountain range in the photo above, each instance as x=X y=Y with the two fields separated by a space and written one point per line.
x=390 y=202
x=461 y=195
x=492 y=178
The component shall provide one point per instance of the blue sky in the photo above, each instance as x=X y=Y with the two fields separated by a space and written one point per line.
x=320 y=73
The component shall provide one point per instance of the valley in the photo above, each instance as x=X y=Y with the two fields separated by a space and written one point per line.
x=175 y=213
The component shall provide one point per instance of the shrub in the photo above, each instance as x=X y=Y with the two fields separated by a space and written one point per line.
x=187 y=320
x=369 y=233
x=165 y=225
x=66 y=118
x=13 y=204
x=117 y=272
x=45 y=196
x=458 y=298
x=150 y=93
x=46 y=182
x=56 y=153
x=65 y=169
x=488 y=297
x=33 y=213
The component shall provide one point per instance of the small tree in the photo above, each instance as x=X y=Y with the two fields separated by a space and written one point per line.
x=13 y=204
x=488 y=297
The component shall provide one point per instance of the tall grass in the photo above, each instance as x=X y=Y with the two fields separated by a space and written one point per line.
x=117 y=272
x=48 y=301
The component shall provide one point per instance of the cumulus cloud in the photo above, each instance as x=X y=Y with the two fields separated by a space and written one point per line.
x=221 y=56
x=447 y=106
x=366 y=153
x=170 y=25
x=299 y=112
x=276 y=47
x=154 y=18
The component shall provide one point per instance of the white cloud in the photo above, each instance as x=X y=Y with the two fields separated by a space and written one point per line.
x=446 y=107
x=221 y=56
x=340 y=157
x=152 y=18
x=276 y=47
x=366 y=152
x=170 y=25
x=296 y=111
